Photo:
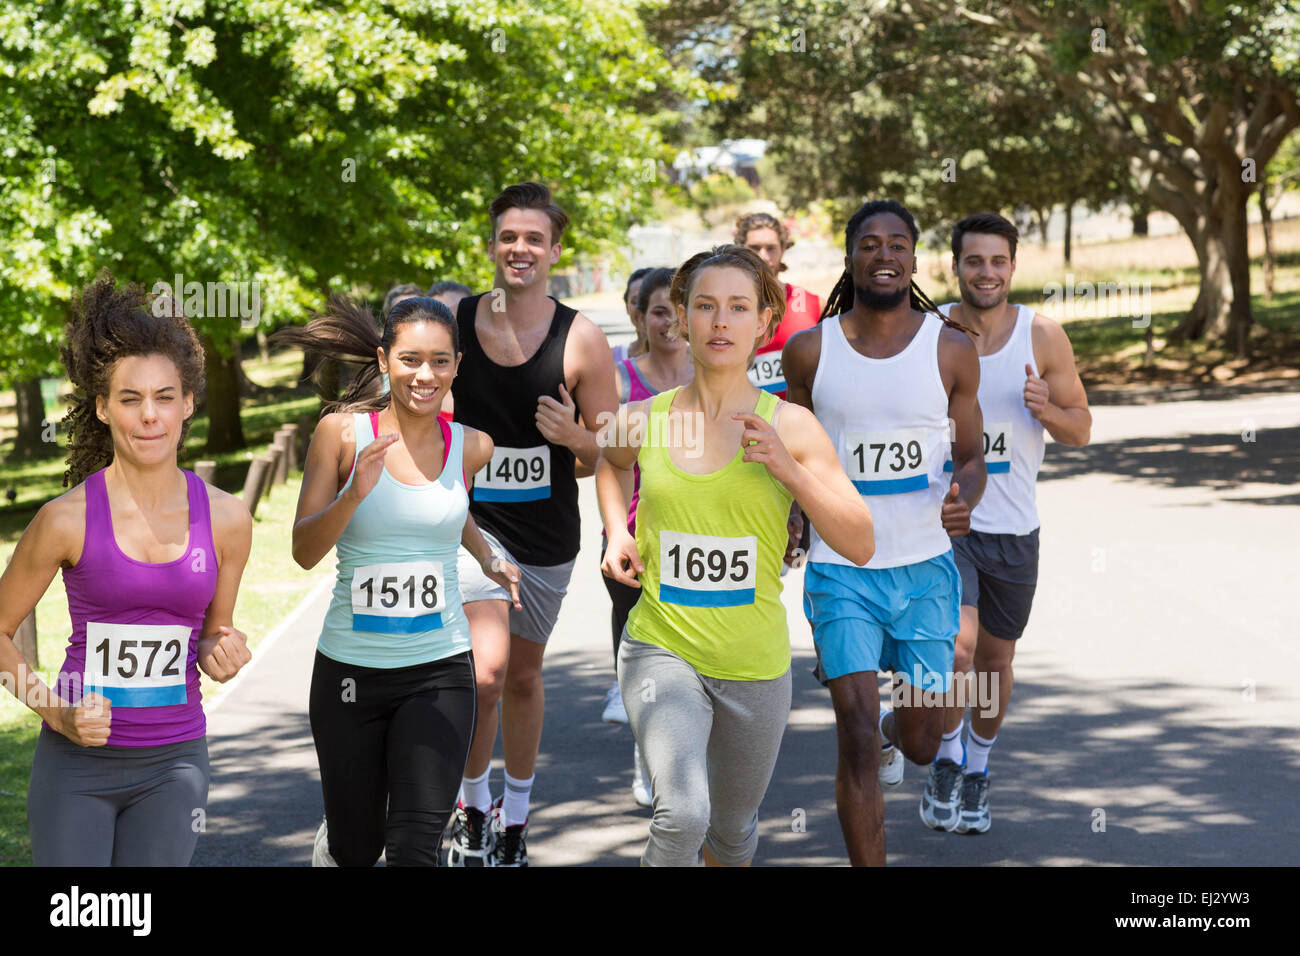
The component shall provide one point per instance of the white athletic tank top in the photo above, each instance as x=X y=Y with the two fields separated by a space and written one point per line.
x=888 y=420
x=1013 y=439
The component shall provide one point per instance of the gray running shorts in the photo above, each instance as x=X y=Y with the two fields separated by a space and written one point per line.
x=999 y=573
x=541 y=589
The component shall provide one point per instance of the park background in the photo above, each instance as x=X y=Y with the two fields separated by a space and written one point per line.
x=1148 y=150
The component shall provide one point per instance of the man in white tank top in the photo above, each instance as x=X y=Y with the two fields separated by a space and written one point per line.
x=888 y=380
x=1028 y=383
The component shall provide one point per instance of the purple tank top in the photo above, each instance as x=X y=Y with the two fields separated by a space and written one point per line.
x=136 y=626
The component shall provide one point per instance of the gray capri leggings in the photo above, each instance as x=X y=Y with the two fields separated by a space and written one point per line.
x=116 y=806
x=710 y=746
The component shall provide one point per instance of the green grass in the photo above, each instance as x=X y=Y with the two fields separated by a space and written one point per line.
x=272 y=584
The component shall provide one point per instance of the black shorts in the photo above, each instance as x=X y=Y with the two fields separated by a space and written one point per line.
x=999 y=573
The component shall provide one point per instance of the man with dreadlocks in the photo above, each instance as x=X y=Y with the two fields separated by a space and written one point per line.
x=887 y=379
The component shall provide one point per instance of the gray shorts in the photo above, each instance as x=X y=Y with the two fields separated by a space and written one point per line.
x=710 y=747
x=541 y=589
x=118 y=806
x=999 y=574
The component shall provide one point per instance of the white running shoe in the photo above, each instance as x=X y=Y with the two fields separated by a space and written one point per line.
x=320 y=852
x=892 y=763
x=941 y=801
x=640 y=780
x=471 y=837
x=614 y=712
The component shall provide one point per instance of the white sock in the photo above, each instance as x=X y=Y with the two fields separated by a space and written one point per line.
x=977 y=753
x=474 y=791
x=950 y=747
x=515 y=805
x=885 y=743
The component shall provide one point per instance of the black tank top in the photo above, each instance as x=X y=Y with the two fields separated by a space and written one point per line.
x=527 y=496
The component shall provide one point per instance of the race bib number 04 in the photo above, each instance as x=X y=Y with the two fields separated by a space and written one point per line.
x=515 y=474
x=404 y=598
x=699 y=570
x=887 y=463
x=997 y=449
x=137 y=665
x=767 y=373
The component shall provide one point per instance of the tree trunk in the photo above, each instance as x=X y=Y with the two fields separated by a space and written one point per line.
x=1141 y=223
x=1069 y=225
x=1222 y=307
x=1044 y=218
x=35 y=437
x=1266 y=223
x=225 y=432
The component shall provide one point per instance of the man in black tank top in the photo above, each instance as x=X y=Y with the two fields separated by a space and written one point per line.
x=530 y=365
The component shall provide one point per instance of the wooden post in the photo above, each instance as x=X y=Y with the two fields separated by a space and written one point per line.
x=292 y=447
x=207 y=470
x=306 y=425
x=281 y=444
x=253 y=482
x=25 y=637
x=272 y=457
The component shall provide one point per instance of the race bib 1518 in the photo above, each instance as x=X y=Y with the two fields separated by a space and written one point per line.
x=402 y=598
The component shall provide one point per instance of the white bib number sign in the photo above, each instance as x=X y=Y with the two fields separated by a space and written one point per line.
x=887 y=463
x=515 y=474
x=137 y=665
x=997 y=449
x=700 y=570
x=767 y=372
x=403 y=598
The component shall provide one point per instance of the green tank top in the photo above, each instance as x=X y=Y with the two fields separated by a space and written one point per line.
x=712 y=547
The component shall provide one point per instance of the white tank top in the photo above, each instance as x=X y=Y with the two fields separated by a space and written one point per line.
x=1013 y=439
x=888 y=420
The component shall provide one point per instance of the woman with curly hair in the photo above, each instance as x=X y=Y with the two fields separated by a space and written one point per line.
x=151 y=559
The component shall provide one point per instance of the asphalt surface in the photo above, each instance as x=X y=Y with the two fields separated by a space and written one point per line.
x=1156 y=703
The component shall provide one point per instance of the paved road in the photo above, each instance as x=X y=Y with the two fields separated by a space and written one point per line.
x=1157 y=683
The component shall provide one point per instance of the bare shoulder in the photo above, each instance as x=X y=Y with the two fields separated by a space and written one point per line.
x=229 y=514
x=587 y=334
x=478 y=443
x=63 y=519
x=1047 y=330
x=958 y=344
x=806 y=342
x=793 y=420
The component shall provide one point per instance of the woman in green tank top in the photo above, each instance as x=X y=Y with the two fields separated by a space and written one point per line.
x=705 y=661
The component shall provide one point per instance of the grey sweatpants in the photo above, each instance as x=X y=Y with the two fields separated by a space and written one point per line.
x=710 y=746
x=116 y=806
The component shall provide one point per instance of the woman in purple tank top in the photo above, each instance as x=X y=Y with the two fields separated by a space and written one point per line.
x=151 y=560
x=666 y=363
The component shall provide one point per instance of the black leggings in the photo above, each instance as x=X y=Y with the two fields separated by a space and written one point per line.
x=622 y=598
x=392 y=746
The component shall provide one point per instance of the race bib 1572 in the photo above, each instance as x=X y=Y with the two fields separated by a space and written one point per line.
x=137 y=665
x=402 y=598
x=699 y=570
x=515 y=474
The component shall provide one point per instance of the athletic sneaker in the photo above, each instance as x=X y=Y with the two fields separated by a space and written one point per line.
x=892 y=762
x=614 y=712
x=508 y=848
x=975 y=817
x=471 y=837
x=320 y=852
x=640 y=779
x=940 y=804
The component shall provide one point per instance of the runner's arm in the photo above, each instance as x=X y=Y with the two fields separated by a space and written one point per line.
x=589 y=365
x=960 y=369
x=619 y=445
x=322 y=512
x=51 y=539
x=821 y=488
x=799 y=359
x=1063 y=408
x=223 y=647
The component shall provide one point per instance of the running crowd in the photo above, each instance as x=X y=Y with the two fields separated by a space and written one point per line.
x=891 y=442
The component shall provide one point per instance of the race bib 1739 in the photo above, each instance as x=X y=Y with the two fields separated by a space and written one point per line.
x=887 y=462
x=137 y=665
x=402 y=598
x=515 y=474
x=699 y=570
